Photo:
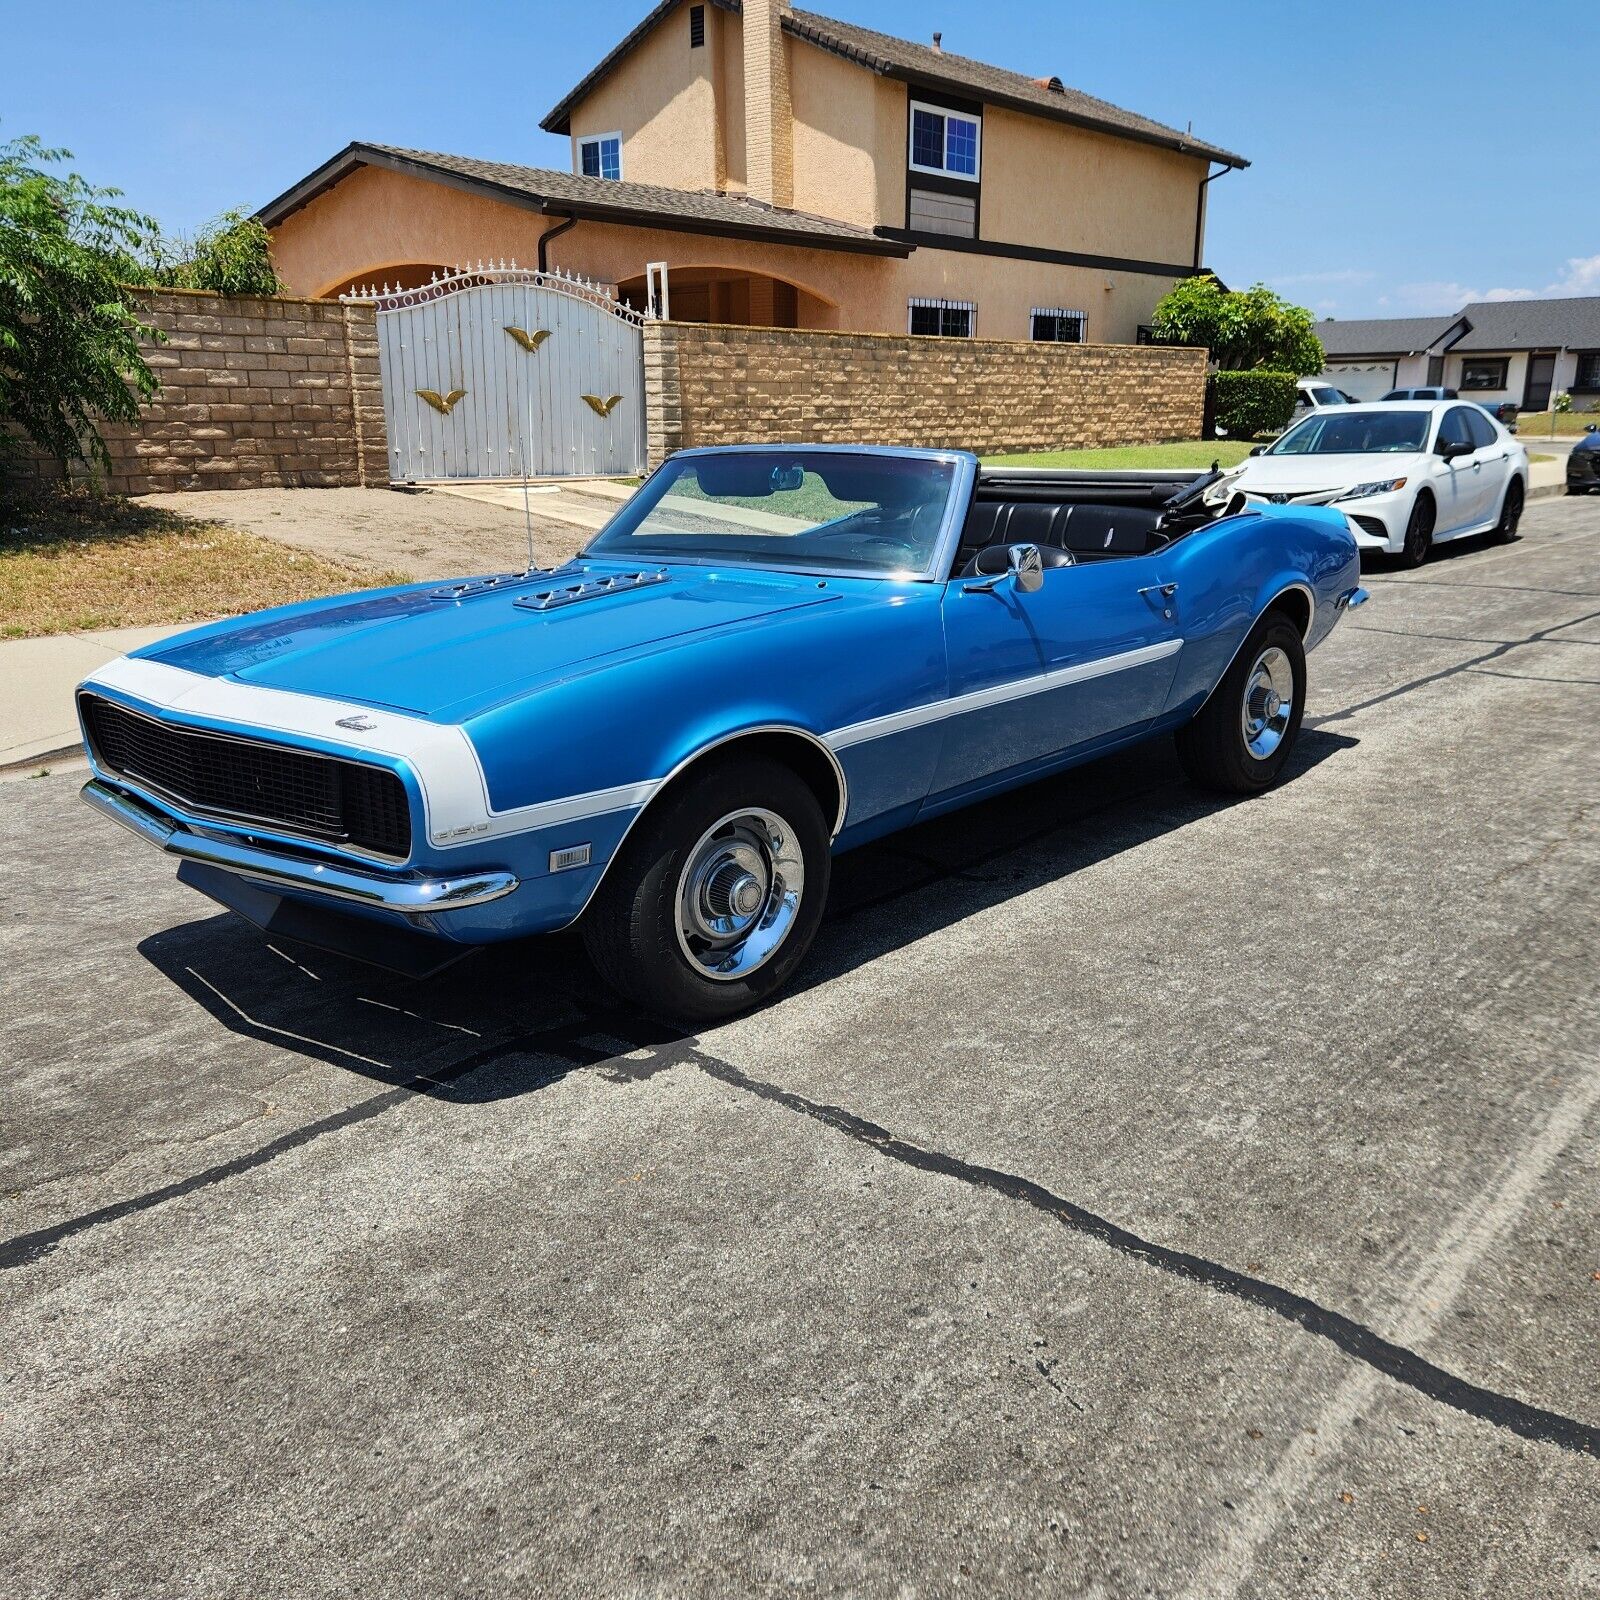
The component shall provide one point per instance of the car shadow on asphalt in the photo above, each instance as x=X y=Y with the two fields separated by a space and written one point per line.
x=517 y=1017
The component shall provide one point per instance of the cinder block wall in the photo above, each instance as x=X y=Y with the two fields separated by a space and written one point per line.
x=714 y=384
x=254 y=394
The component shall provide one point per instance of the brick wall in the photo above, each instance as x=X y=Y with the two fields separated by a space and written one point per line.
x=254 y=394
x=711 y=384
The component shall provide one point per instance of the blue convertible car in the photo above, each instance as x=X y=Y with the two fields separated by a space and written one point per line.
x=770 y=654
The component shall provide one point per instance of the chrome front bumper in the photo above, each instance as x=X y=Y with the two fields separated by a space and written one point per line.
x=411 y=896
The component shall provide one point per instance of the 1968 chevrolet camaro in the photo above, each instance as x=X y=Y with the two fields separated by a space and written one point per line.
x=768 y=655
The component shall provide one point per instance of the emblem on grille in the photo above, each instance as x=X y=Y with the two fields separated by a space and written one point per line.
x=1280 y=499
x=356 y=724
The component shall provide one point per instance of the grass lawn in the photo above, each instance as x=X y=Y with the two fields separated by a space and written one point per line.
x=1533 y=425
x=75 y=561
x=1198 y=454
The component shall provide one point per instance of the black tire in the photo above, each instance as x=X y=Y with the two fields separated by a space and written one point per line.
x=1213 y=748
x=1505 y=530
x=1419 y=532
x=631 y=927
x=1576 y=488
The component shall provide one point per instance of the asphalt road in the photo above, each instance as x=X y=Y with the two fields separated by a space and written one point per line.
x=1142 y=1196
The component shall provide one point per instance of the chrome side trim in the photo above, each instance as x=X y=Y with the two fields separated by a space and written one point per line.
x=999 y=694
x=412 y=896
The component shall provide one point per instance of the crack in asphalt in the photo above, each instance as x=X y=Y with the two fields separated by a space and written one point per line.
x=1354 y=1338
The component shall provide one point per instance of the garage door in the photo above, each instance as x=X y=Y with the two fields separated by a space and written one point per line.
x=1365 y=380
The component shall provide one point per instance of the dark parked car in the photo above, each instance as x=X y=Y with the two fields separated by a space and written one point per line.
x=1583 y=462
x=1505 y=412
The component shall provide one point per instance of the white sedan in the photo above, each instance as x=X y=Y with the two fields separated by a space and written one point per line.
x=1408 y=474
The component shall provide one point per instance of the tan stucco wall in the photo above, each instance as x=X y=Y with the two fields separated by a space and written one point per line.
x=661 y=98
x=721 y=385
x=1063 y=188
x=836 y=136
x=375 y=219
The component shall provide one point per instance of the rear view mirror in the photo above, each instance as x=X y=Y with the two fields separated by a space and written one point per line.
x=1256 y=449
x=1027 y=568
x=1451 y=448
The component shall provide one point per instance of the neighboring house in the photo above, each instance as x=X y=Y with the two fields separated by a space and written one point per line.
x=1518 y=350
x=795 y=171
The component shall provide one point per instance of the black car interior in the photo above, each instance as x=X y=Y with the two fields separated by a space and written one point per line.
x=1075 y=517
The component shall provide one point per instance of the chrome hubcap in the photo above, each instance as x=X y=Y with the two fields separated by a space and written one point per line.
x=739 y=894
x=1268 y=702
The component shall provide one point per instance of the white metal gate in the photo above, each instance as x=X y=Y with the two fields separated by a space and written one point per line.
x=501 y=372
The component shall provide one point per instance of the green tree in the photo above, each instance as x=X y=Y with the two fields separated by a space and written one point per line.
x=232 y=254
x=69 y=336
x=1242 y=328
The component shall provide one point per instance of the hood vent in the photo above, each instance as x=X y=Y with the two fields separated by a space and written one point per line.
x=468 y=587
x=569 y=594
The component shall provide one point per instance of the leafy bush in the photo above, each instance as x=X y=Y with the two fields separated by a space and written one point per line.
x=232 y=254
x=1242 y=329
x=69 y=338
x=1244 y=404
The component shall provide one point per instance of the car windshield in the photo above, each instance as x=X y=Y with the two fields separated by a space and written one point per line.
x=800 y=510
x=1354 y=433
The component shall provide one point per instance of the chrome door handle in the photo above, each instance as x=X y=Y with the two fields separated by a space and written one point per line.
x=1165 y=590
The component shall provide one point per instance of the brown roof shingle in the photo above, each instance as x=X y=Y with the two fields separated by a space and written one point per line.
x=602 y=199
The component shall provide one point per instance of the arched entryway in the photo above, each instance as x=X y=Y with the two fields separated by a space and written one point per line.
x=735 y=295
x=404 y=275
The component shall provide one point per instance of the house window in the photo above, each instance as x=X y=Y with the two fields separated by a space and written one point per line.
x=1588 y=375
x=697 y=26
x=601 y=156
x=1055 y=325
x=944 y=142
x=1487 y=374
x=943 y=319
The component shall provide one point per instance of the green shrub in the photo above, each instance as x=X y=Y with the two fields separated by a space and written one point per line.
x=1245 y=404
x=232 y=254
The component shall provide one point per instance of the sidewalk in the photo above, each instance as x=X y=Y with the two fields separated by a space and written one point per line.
x=37 y=676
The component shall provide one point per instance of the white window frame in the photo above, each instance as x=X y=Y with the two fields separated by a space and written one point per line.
x=597 y=139
x=1058 y=311
x=946 y=113
x=936 y=304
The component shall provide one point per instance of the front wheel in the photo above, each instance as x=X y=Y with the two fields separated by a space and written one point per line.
x=716 y=895
x=1419 y=533
x=1243 y=734
x=1505 y=530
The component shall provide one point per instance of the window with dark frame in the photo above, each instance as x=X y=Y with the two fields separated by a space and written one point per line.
x=697 y=26
x=1057 y=325
x=1488 y=374
x=601 y=156
x=1587 y=377
x=942 y=319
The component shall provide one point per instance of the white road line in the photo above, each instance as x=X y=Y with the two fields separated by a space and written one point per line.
x=1428 y=1299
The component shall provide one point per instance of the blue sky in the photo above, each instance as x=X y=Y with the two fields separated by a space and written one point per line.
x=1407 y=157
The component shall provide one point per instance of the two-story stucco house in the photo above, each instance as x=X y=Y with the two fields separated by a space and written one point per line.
x=795 y=171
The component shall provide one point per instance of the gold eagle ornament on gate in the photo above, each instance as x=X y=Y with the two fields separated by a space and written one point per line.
x=602 y=408
x=529 y=341
x=444 y=404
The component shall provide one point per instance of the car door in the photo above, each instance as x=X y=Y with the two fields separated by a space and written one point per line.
x=1491 y=465
x=1088 y=655
x=1458 y=489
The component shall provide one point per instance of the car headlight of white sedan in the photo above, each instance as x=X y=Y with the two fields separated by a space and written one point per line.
x=1363 y=491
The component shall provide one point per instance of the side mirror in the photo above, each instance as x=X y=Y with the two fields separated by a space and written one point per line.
x=1591 y=427
x=1451 y=448
x=1027 y=567
x=1256 y=449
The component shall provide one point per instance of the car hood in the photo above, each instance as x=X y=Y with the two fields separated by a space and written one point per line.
x=421 y=651
x=1307 y=474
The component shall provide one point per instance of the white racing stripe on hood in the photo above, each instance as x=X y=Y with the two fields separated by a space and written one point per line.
x=445 y=761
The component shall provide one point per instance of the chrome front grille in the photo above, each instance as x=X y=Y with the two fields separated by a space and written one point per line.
x=243 y=780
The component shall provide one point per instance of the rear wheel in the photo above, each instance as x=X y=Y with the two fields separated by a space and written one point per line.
x=1243 y=734
x=717 y=893
x=1505 y=530
x=1419 y=532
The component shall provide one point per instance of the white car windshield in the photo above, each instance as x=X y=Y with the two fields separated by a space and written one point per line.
x=1355 y=433
x=799 y=510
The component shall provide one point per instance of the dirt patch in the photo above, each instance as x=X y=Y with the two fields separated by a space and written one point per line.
x=421 y=534
x=74 y=562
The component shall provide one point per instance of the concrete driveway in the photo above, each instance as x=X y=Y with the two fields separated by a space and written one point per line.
x=1141 y=1196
